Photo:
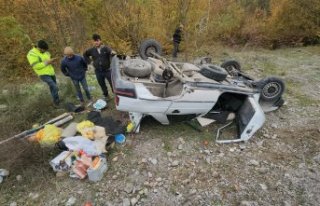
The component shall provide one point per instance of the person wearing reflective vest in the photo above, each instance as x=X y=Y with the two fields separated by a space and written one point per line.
x=41 y=62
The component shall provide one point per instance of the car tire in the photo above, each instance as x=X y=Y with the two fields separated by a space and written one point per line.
x=231 y=66
x=271 y=89
x=147 y=46
x=137 y=68
x=213 y=72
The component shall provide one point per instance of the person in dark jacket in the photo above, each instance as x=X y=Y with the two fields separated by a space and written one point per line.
x=75 y=67
x=101 y=57
x=177 y=37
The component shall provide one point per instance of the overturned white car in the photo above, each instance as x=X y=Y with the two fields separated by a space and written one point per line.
x=172 y=91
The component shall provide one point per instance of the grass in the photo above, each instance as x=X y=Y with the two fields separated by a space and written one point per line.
x=294 y=90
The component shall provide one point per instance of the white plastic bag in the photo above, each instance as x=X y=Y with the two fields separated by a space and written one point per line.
x=78 y=143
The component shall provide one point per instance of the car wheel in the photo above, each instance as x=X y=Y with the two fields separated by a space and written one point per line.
x=213 y=72
x=232 y=67
x=149 y=46
x=271 y=89
x=137 y=68
x=167 y=74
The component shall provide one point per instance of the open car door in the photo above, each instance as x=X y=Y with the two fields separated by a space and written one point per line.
x=249 y=118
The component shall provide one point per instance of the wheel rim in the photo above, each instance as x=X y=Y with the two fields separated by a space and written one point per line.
x=231 y=70
x=271 y=90
x=149 y=51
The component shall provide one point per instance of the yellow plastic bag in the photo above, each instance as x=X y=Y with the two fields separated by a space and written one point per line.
x=86 y=128
x=49 y=135
x=130 y=127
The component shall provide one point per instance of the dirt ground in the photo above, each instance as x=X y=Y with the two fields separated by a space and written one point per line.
x=173 y=165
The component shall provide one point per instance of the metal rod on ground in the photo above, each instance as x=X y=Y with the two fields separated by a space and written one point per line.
x=57 y=118
x=57 y=121
x=57 y=124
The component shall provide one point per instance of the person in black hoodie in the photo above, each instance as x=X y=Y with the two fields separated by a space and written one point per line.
x=101 y=57
x=75 y=67
x=177 y=37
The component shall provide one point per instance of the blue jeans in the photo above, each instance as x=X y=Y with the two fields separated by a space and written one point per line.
x=101 y=78
x=84 y=84
x=52 y=83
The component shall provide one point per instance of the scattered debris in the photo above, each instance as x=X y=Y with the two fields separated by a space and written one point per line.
x=264 y=187
x=120 y=138
x=97 y=169
x=125 y=202
x=71 y=201
x=175 y=163
x=129 y=188
x=316 y=158
x=70 y=107
x=100 y=104
x=3 y=107
x=34 y=195
x=4 y=172
x=133 y=201
x=30 y=134
x=18 y=178
x=70 y=130
x=153 y=161
x=253 y=163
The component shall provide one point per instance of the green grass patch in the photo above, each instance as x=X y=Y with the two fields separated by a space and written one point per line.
x=271 y=68
x=294 y=90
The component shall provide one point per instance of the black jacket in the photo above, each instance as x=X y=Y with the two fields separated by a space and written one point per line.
x=177 y=36
x=101 y=61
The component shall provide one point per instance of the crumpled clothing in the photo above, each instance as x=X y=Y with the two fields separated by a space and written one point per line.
x=112 y=126
x=49 y=135
x=86 y=128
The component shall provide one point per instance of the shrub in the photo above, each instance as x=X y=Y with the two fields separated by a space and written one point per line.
x=14 y=46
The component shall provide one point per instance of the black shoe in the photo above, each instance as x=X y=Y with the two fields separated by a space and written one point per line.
x=56 y=105
x=56 y=102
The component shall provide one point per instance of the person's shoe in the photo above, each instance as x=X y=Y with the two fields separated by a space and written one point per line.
x=56 y=105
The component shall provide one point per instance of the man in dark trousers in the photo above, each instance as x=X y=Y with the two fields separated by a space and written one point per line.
x=75 y=67
x=177 y=37
x=101 y=57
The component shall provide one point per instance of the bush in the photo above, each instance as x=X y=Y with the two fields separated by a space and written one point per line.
x=292 y=21
x=14 y=46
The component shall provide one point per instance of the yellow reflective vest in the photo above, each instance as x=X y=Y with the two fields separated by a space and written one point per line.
x=37 y=62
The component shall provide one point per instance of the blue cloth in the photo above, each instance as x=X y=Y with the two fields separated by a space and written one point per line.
x=74 y=67
x=84 y=84
x=51 y=81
